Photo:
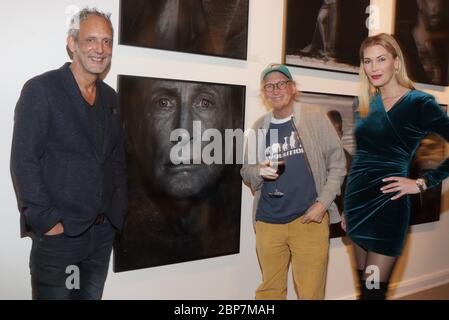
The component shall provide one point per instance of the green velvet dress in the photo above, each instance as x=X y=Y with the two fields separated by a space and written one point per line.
x=386 y=143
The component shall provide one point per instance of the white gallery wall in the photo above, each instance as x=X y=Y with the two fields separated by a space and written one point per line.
x=33 y=37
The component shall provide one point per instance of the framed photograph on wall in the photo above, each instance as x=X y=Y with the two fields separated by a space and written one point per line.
x=182 y=207
x=325 y=34
x=339 y=110
x=422 y=29
x=426 y=206
x=210 y=27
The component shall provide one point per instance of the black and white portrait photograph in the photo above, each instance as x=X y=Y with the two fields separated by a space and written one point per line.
x=422 y=29
x=210 y=27
x=181 y=207
x=325 y=34
x=431 y=152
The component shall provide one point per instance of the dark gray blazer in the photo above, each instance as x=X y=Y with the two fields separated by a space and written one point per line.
x=57 y=173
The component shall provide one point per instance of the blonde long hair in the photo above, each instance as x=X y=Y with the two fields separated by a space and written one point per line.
x=367 y=90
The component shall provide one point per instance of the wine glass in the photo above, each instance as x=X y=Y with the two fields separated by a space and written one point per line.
x=279 y=165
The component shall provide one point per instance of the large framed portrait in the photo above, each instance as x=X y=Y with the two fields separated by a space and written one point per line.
x=325 y=34
x=339 y=109
x=210 y=27
x=184 y=180
x=422 y=29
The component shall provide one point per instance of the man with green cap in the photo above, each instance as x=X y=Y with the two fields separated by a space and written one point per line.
x=295 y=169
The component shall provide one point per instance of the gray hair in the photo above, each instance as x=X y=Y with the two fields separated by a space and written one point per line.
x=74 y=27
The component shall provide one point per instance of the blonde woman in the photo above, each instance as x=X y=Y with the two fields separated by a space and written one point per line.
x=391 y=119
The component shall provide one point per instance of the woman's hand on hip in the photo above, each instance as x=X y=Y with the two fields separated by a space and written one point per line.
x=401 y=185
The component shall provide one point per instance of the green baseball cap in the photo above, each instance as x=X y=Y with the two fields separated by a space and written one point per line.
x=276 y=67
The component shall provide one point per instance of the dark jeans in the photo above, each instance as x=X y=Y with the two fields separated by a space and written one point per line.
x=55 y=261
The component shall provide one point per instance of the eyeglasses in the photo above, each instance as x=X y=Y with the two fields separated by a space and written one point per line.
x=281 y=85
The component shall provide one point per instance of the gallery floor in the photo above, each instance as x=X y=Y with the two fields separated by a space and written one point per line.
x=437 y=293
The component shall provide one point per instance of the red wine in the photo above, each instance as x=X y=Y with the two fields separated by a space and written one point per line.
x=281 y=168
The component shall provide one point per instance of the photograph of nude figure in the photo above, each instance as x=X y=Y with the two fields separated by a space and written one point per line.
x=422 y=29
x=325 y=34
x=209 y=27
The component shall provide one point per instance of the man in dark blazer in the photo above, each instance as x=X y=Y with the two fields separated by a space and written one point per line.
x=68 y=166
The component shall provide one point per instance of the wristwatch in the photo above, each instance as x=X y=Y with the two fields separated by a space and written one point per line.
x=421 y=184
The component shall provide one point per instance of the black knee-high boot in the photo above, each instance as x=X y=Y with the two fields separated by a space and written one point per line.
x=378 y=292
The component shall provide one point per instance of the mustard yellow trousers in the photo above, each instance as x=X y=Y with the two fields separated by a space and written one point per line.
x=306 y=246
